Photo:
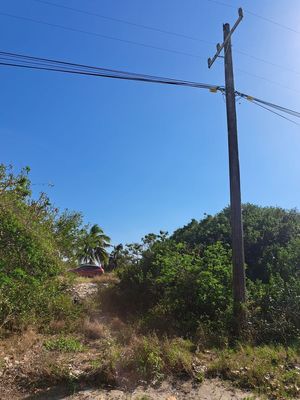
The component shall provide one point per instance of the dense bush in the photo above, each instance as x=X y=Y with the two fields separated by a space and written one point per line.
x=26 y=240
x=184 y=281
x=32 y=247
x=26 y=300
x=274 y=310
x=171 y=280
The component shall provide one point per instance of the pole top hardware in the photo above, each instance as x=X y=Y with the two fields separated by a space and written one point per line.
x=220 y=47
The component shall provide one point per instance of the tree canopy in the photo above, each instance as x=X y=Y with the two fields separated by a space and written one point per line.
x=93 y=246
x=268 y=233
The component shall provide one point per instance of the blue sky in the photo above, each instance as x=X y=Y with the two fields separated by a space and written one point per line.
x=133 y=157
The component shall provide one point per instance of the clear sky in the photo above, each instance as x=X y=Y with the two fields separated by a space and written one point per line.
x=133 y=157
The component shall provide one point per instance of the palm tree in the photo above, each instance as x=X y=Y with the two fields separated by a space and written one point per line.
x=93 y=246
x=116 y=257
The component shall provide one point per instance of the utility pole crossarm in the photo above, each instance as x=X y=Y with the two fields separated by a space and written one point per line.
x=220 y=47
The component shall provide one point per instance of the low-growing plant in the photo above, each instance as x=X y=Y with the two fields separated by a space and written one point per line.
x=178 y=356
x=148 y=358
x=143 y=356
x=154 y=358
x=103 y=369
x=271 y=370
x=64 y=344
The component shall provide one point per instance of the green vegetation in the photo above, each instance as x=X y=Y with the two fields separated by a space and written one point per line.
x=93 y=246
x=167 y=305
x=182 y=283
x=155 y=358
x=64 y=344
x=38 y=244
x=272 y=370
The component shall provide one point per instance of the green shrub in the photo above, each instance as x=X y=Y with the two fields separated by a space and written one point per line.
x=25 y=300
x=183 y=283
x=274 y=310
x=148 y=358
x=172 y=281
x=34 y=238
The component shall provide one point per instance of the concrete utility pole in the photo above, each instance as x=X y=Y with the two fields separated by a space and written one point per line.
x=238 y=259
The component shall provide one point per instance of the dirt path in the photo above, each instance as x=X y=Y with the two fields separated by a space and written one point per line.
x=24 y=356
x=209 y=390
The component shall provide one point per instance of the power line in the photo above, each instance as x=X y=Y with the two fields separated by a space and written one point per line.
x=30 y=62
x=144 y=44
x=122 y=21
x=177 y=34
x=10 y=59
x=266 y=61
x=258 y=58
x=147 y=27
x=267 y=80
x=288 y=28
x=65 y=63
x=254 y=14
x=276 y=113
x=220 y=3
x=107 y=75
x=99 y=35
x=268 y=104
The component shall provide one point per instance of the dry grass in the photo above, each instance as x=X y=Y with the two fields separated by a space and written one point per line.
x=153 y=359
x=115 y=351
x=107 y=358
x=117 y=324
x=94 y=330
x=271 y=370
x=57 y=326
x=108 y=277
x=126 y=335
x=18 y=344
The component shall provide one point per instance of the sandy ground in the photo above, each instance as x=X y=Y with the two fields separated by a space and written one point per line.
x=209 y=390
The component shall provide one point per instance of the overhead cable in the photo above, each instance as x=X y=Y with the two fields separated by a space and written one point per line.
x=122 y=21
x=10 y=59
x=254 y=14
x=268 y=104
x=155 y=29
x=114 y=38
x=276 y=113
x=196 y=39
x=30 y=62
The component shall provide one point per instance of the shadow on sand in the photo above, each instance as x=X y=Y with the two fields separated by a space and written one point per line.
x=56 y=393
